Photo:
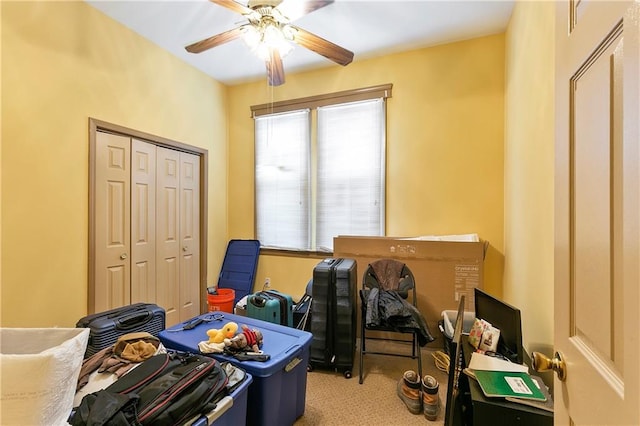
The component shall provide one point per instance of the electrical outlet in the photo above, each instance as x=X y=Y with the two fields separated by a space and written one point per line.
x=267 y=282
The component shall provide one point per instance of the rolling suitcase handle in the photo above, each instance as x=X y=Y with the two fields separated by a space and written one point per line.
x=133 y=320
x=258 y=300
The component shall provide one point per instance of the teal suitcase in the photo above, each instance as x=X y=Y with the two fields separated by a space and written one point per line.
x=271 y=306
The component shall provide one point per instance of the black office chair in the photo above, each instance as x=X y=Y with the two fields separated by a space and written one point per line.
x=384 y=279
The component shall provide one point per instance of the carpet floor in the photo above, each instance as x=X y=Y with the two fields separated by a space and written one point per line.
x=331 y=399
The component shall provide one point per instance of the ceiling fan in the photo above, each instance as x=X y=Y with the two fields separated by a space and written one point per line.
x=269 y=32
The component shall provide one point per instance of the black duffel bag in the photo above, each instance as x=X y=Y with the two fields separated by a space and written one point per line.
x=166 y=389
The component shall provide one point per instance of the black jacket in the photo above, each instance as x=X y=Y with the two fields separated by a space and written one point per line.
x=388 y=308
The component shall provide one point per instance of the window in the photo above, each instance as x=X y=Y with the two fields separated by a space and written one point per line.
x=320 y=169
x=282 y=180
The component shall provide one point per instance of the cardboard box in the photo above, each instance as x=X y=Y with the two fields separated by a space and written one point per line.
x=241 y=307
x=443 y=270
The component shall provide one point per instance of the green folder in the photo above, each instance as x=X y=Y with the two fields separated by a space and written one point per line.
x=512 y=384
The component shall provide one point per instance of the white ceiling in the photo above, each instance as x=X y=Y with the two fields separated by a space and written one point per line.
x=366 y=27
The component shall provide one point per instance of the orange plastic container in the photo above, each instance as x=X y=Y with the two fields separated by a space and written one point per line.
x=223 y=301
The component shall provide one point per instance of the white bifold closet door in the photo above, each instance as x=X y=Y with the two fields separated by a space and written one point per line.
x=177 y=234
x=147 y=227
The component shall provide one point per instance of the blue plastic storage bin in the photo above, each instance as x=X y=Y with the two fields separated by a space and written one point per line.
x=278 y=392
x=231 y=411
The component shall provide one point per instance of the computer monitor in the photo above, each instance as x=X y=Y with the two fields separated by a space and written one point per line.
x=451 y=415
x=504 y=317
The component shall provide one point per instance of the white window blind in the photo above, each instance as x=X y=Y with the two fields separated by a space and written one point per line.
x=351 y=171
x=320 y=168
x=282 y=157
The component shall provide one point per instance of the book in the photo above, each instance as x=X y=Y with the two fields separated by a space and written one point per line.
x=469 y=372
x=508 y=384
x=543 y=405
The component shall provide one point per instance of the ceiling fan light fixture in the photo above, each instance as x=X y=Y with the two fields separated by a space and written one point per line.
x=270 y=36
x=262 y=39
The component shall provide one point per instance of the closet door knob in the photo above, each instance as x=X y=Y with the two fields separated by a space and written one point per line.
x=123 y=256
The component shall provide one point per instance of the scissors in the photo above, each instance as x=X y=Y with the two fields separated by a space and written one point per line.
x=191 y=324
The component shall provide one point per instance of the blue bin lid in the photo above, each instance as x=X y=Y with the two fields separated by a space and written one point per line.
x=286 y=346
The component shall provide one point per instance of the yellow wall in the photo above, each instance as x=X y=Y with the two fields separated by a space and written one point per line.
x=0 y=169
x=63 y=62
x=448 y=146
x=529 y=170
x=445 y=140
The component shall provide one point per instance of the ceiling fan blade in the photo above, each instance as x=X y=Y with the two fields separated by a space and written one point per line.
x=275 y=69
x=321 y=46
x=294 y=9
x=232 y=5
x=214 y=41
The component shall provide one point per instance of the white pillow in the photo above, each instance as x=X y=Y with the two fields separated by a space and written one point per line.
x=39 y=370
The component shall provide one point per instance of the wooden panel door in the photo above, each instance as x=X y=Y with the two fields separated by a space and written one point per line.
x=189 y=235
x=143 y=221
x=168 y=245
x=146 y=226
x=112 y=234
x=597 y=212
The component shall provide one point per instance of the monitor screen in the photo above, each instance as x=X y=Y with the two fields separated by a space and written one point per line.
x=504 y=317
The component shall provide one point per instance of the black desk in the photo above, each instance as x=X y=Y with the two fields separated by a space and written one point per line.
x=496 y=411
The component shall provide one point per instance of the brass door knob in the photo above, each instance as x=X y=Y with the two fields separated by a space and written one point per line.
x=541 y=362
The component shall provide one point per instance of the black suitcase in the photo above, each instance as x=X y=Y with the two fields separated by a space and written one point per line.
x=106 y=327
x=333 y=315
x=302 y=309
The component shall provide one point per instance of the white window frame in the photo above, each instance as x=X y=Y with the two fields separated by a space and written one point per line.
x=359 y=183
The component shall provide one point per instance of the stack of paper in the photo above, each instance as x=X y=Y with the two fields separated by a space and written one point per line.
x=490 y=363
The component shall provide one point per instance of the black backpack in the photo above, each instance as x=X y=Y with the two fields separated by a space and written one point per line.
x=166 y=389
